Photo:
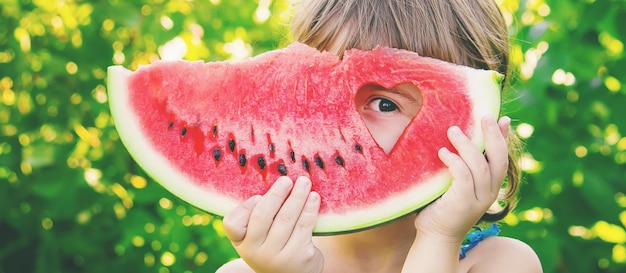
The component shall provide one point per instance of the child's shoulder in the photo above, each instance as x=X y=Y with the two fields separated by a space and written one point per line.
x=502 y=254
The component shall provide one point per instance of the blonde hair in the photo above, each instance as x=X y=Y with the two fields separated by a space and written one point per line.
x=466 y=32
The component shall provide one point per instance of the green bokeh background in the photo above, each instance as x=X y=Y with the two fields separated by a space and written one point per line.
x=72 y=200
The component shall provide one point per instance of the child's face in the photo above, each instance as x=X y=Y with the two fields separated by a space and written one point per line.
x=387 y=112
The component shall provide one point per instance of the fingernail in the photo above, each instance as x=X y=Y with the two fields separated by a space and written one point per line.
x=303 y=182
x=455 y=130
x=284 y=182
x=254 y=199
x=313 y=197
x=506 y=120
x=489 y=120
x=444 y=151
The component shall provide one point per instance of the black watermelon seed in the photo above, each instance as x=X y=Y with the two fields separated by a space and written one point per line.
x=282 y=169
x=305 y=163
x=214 y=130
x=183 y=131
x=170 y=125
x=231 y=145
x=261 y=162
x=292 y=154
x=358 y=148
x=242 y=160
x=217 y=154
x=339 y=160
x=272 y=147
x=319 y=162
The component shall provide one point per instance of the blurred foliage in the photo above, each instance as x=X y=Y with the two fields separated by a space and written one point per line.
x=72 y=200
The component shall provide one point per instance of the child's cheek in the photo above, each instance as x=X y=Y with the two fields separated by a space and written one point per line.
x=385 y=130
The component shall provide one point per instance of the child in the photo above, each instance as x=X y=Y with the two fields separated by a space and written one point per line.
x=272 y=233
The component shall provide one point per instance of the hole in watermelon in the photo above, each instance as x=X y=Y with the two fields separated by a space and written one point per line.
x=388 y=111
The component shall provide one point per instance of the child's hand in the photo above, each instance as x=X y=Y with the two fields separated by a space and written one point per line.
x=273 y=232
x=477 y=179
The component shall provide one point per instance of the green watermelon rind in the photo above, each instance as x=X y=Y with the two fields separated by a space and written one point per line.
x=483 y=88
x=486 y=102
x=157 y=167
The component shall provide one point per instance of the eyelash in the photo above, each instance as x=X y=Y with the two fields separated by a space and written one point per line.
x=389 y=107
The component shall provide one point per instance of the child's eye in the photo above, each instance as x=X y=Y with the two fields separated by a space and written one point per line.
x=382 y=105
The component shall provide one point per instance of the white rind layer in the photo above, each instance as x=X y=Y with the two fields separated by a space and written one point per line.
x=484 y=92
x=153 y=162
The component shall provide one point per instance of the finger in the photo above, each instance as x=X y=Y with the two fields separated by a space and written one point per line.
x=496 y=151
x=473 y=157
x=303 y=230
x=505 y=127
x=461 y=174
x=288 y=215
x=263 y=214
x=235 y=223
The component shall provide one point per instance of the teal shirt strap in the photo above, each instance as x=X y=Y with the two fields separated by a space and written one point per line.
x=475 y=236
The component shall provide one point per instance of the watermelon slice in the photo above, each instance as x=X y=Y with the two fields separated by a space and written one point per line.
x=217 y=133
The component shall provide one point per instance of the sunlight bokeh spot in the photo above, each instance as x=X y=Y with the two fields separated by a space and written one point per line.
x=76 y=99
x=47 y=223
x=613 y=84
x=156 y=245
x=191 y=250
x=609 y=232
x=92 y=176
x=524 y=130
x=511 y=219
x=580 y=151
x=146 y=10
x=71 y=68
x=580 y=231
x=578 y=178
x=99 y=94
x=238 y=49
x=556 y=187
x=201 y=258
x=165 y=203
x=139 y=182
x=217 y=226
x=167 y=23
x=174 y=49
x=138 y=241
x=561 y=77
x=187 y=220
x=174 y=247
x=148 y=259
x=8 y=97
x=543 y=10
x=603 y=263
x=534 y=215
x=619 y=253
x=613 y=45
x=181 y=210
x=119 y=250
x=6 y=56
x=149 y=227
x=529 y=164
x=120 y=210
x=119 y=57
x=167 y=258
x=23 y=37
x=83 y=217
x=108 y=25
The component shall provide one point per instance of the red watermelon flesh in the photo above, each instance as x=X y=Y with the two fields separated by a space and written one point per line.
x=217 y=133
